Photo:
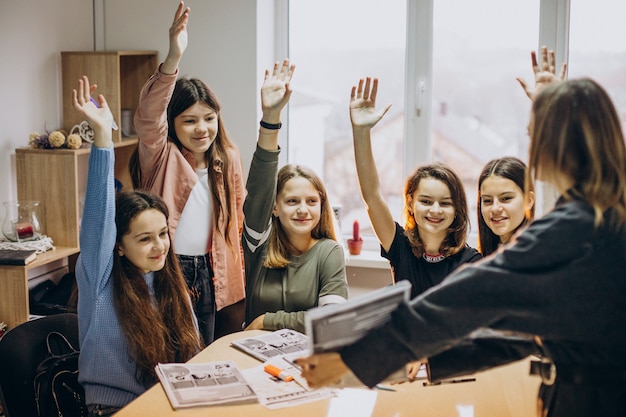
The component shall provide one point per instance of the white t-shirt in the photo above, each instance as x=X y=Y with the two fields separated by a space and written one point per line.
x=194 y=227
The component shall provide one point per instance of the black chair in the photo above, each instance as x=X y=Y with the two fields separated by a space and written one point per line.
x=21 y=350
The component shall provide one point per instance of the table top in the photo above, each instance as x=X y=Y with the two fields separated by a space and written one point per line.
x=504 y=391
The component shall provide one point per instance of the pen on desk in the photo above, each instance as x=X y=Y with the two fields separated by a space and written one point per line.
x=448 y=381
x=278 y=373
x=113 y=124
x=292 y=363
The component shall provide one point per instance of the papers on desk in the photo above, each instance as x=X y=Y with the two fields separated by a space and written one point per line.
x=202 y=384
x=279 y=348
x=280 y=343
x=273 y=392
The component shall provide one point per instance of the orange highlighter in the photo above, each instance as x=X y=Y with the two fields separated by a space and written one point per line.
x=278 y=373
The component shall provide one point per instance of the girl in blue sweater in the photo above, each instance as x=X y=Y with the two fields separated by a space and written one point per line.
x=133 y=307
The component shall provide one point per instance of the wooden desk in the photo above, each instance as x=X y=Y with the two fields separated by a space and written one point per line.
x=14 y=308
x=501 y=392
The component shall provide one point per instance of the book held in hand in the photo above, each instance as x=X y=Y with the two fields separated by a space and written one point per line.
x=17 y=257
x=204 y=384
x=279 y=343
x=332 y=327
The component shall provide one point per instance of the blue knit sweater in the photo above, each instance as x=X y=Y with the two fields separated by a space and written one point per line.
x=106 y=369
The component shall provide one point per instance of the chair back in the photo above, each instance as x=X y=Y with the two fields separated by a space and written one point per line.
x=21 y=350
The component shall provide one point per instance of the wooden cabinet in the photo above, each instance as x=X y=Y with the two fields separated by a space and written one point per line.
x=58 y=178
x=118 y=74
x=14 y=308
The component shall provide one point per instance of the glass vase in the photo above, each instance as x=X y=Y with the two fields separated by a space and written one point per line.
x=21 y=221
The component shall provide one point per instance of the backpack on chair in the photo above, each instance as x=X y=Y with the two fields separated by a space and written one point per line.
x=57 y=390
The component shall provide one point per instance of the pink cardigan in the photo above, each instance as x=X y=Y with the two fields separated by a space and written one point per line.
x=170 y=173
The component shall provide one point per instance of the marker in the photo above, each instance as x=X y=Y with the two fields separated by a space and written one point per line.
x=448 y=381
x=278 y=373
x=113 y=124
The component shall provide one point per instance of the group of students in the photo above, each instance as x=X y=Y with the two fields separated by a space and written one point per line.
x=189 y=255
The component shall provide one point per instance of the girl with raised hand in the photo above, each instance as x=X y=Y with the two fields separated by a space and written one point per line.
x=133 y=307
x=292 y=258
x=186 y=156
x=432 y=242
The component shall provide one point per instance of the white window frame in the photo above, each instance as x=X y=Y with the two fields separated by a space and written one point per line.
x=553 y=32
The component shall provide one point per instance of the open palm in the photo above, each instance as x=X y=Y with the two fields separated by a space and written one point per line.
x=363 y=111
x=545 y=72
x=275 y=91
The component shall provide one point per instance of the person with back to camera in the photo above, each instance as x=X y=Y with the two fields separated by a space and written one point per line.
x=293 y=261
x=562 y=281
x=432 y=243
x=133 y=308
x=502 y=208
x=186 y=156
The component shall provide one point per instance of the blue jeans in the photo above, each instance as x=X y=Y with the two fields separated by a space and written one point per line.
x=199 y=277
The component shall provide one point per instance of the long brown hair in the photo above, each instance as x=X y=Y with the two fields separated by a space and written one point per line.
x=160 y=332
x=187 y=92
x=513 y=169
x=456 y=238
x=279 y=248
x=576 y=132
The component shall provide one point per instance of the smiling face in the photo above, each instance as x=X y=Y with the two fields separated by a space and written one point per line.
x=432 y=207
x=196 y=129
x=298 y=208
x=147 y=242
x=501 y=205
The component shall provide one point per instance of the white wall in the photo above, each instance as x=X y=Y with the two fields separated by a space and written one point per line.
x=33 y=32
x=223 y=51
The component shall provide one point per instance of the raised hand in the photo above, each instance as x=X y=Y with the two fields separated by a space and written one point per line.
x=178 y=30
x=275 y=91
x=97 y=113
x=363 y=111
x=178 y=39
x=544 y=74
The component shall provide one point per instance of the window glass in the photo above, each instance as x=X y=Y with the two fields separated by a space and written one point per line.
x=334 y=44
x=597 y=48
x=479 y=110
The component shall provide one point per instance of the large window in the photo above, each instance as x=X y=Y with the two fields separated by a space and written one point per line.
x=334 y=44
x=597 y=48
x=479 y=111
x=448 y=68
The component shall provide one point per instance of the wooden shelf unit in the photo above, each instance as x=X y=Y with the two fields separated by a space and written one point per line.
x=57 y=179
x=118 y=74
x=14 y=309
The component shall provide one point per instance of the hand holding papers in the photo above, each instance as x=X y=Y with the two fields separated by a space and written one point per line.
x=334 y=326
